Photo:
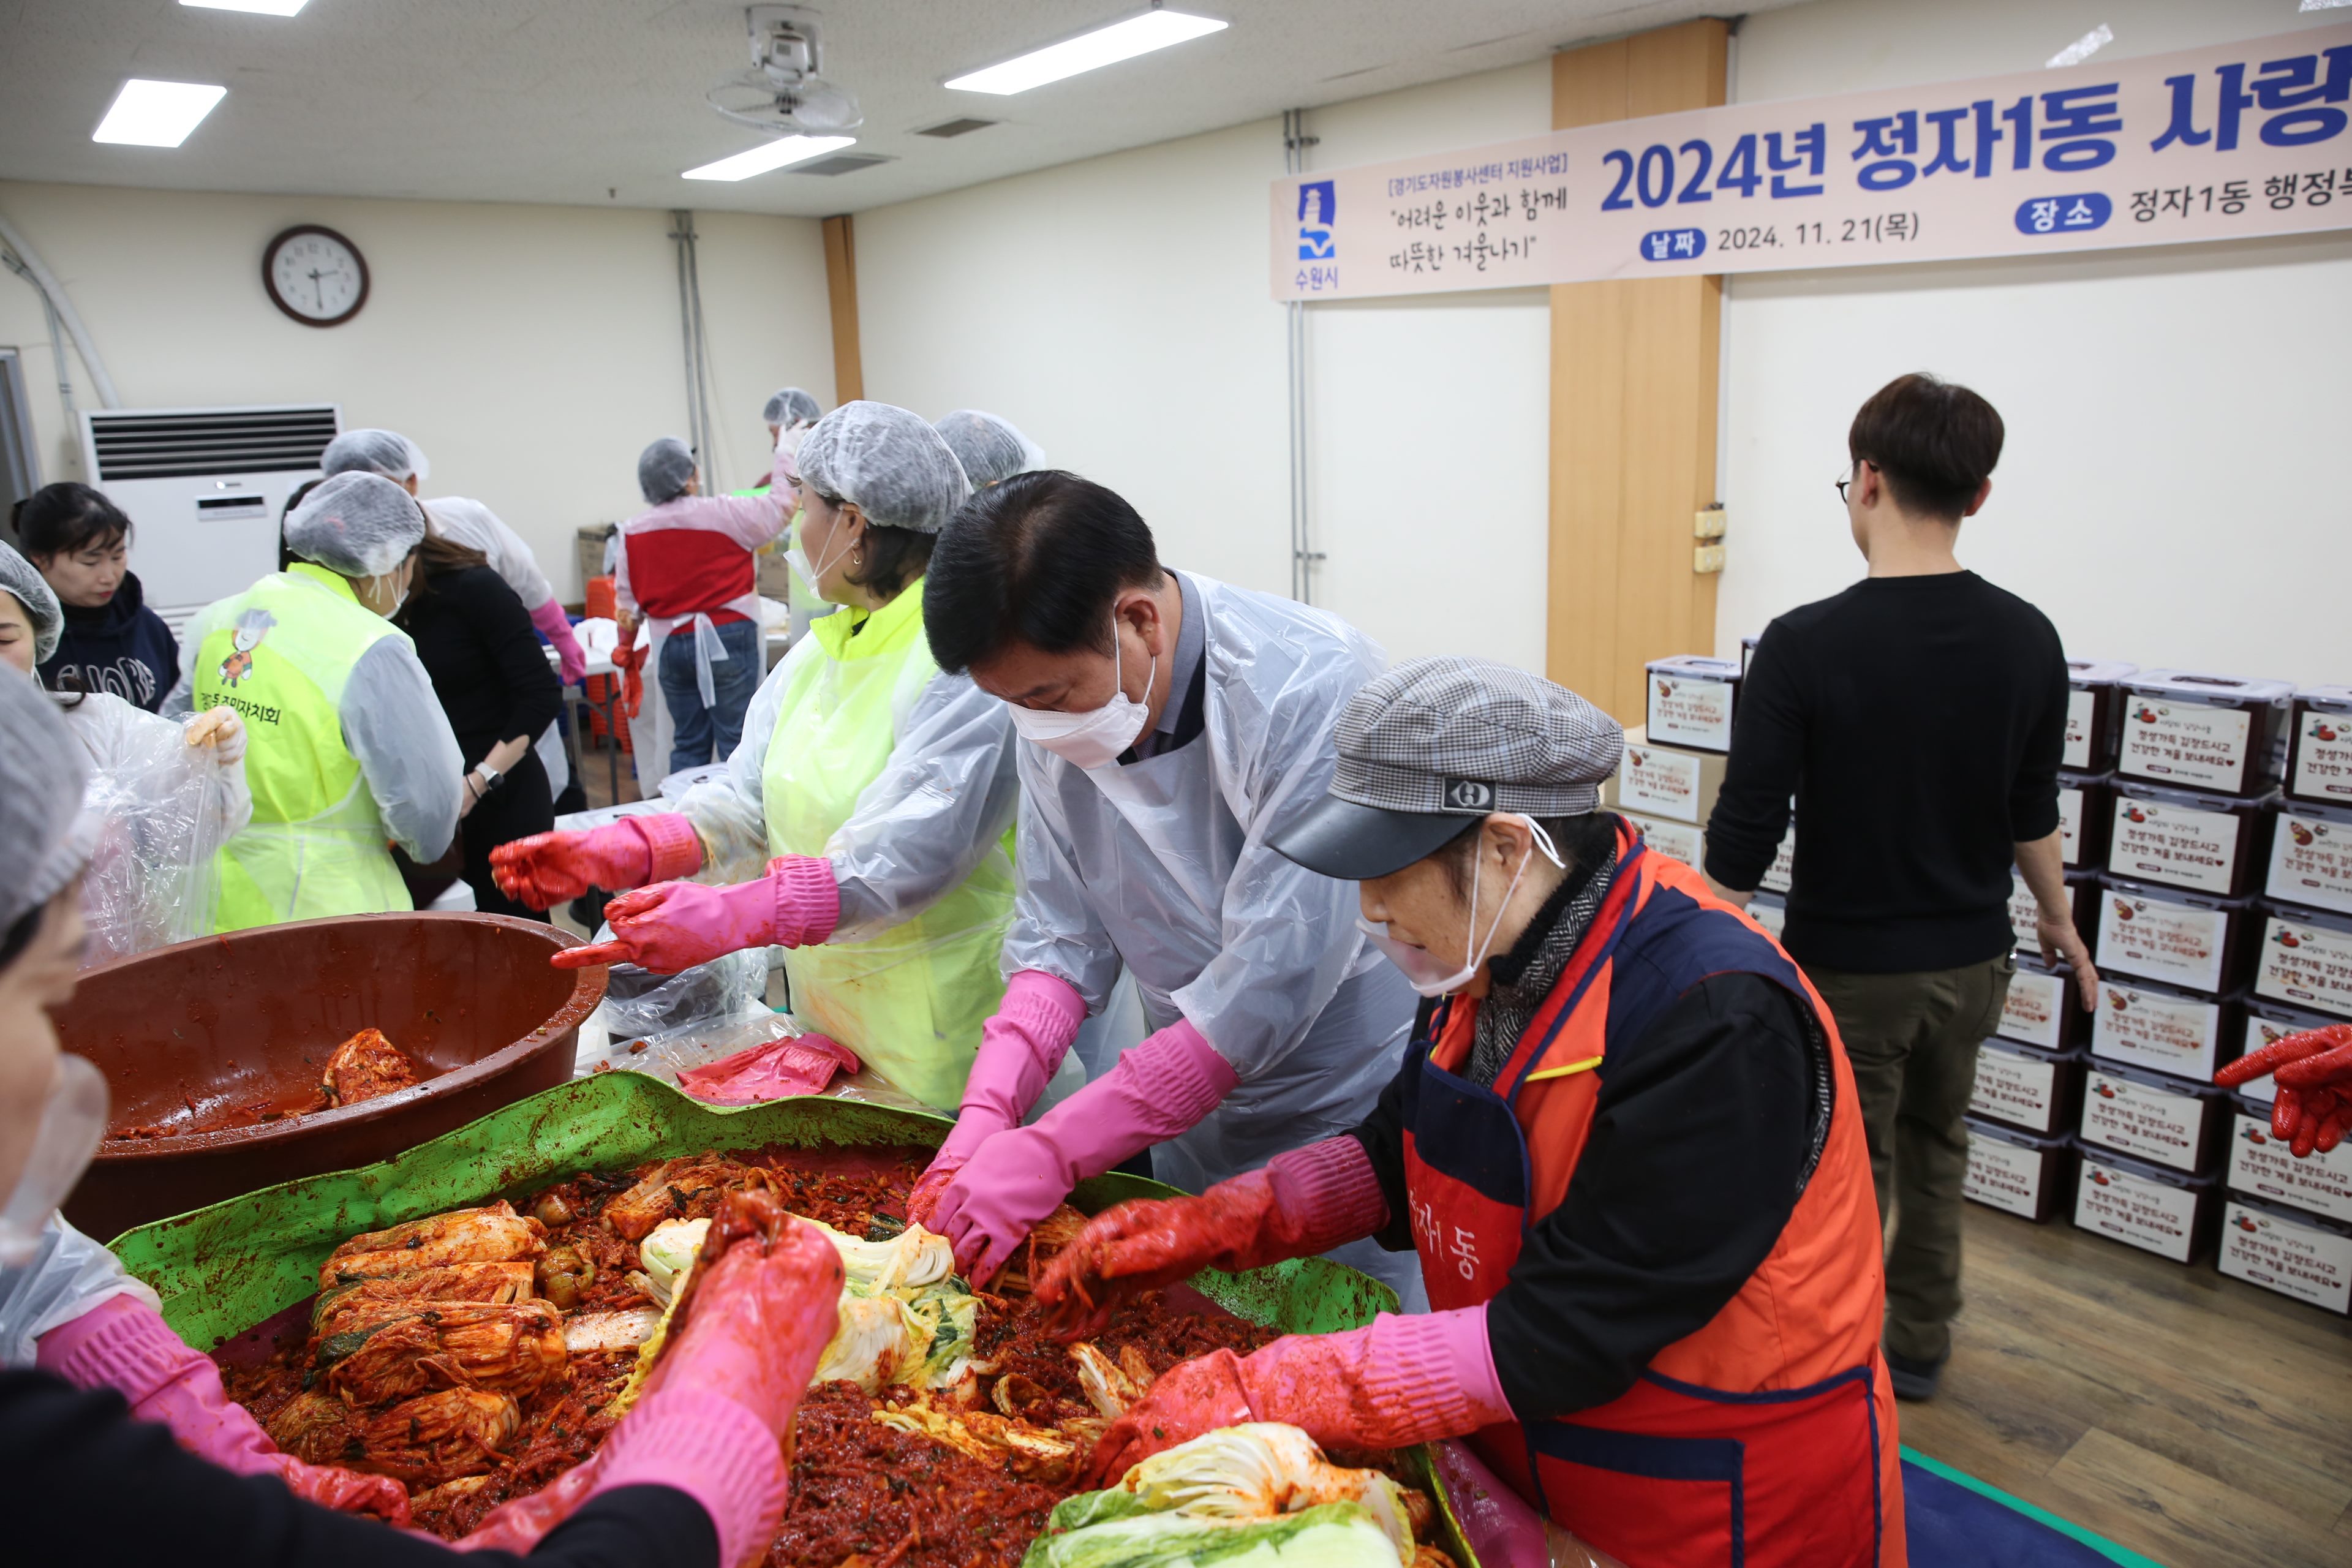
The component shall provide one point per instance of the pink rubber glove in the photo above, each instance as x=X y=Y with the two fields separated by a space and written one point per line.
x=1160 y=1089
x=548 y=869
x=1402 y=1381
x=1019 y=1049
x=556 y=627
x=1305 y=1202
x=719 y=1406
x=125 y=1345
x=676 y=925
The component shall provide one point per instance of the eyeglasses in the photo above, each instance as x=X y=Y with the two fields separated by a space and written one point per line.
x=1847 y=479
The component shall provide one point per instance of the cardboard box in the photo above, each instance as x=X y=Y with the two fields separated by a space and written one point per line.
x=2019 y=1174
x=2292 y=1254
x=1691 y=701
x=2146 y=1205
x=2163 y=1120
x=1672 y=783
x=589 y=549
x=2311 y=857
x=2035 y=1091
x=2042 y=1009
x=2162 y=1029
x=2260 y=1166
x=2306 y=959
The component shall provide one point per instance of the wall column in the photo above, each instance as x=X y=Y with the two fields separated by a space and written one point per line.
x=841 y=287
x=1633 y=374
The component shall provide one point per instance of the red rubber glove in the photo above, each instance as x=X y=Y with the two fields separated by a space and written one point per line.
x=124 y=1344
x=676 y=925
x=556 y=627
x=548 y=869
x=1019 y=1049
x=715 y=1413
x=630 y=660
x=1400 y=1382
x=2313 y=1071
x=1305 y=1202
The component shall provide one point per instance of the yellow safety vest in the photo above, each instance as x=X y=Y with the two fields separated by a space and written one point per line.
x=280 y=654
x=910 y=1001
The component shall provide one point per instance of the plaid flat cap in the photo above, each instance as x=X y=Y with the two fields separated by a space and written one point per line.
x=1436 y=742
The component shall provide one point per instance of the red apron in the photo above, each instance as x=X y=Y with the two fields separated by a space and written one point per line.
x=1767 y=1437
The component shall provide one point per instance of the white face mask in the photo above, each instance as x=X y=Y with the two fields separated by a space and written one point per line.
x=1096 y=738
x=799 y=561
x=1422 y=967
x=72 y=1124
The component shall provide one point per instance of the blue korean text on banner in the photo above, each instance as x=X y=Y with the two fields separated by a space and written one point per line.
x=1674 y=244
x=2064 y=215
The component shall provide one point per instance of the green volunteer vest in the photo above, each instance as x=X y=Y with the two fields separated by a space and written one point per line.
x=280 y=654
x=910 y=1001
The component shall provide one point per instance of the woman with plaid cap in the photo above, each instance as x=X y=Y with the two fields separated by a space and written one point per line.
x=1624 y=1143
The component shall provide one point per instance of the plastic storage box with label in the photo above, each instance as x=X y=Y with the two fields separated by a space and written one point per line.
x=2266 y=1023
x=2311 y=857
x=2193 y=941
x=2029 y=1176
x=2092 y=720
x=2323 y=745
x=1691 y=701
x=1769 y=912
x=2185 y=838
x=2146 y=1205
x=2214 y=732
x=2082 y=890
x=2034 y=1091
x=2042 y=1009
x=2293 y=1254
x=1664 y=781
x=1781 y=874
x=2163 y=1120
x=1682 y=841
x=2262 y=1166
x=2306 y=961
x=2084 y=810
x=2144 y=1025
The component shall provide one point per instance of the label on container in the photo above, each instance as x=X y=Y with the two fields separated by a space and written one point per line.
x=1686 y=711
x=2155 y=1217
x=2323 y=756
x=2283 y=1255
x=1773 y=917
x=2024 y=914
x=2021 y=1090
x=2177 y=1035
x=1781 y=874
x=2262 y=1166
x=2158 y=939
x=2034 y=1011
x=1677 y=840
x=2186 y=743
x=2311 y=862
x=2003 y=1175
x=2082 y=709
x=2070 y=824
x=2155 y=1124
x=1656 y=783
x=2307 y=964
x=2159 y=842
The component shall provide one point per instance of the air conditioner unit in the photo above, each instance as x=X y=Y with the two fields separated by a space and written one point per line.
x=203 y=488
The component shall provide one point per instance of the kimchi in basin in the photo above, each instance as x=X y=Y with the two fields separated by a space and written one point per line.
x=214 y=1050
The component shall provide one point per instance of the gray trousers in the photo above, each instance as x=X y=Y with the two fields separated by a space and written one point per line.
x=1913 y=1041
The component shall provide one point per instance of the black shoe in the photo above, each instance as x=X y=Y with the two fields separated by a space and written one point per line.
x=1912 y=1379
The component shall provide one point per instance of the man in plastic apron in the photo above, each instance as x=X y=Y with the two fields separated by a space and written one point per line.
x=282 y=654
x=1641 y=1198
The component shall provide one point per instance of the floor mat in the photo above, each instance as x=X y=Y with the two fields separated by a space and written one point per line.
x=1955 y=1521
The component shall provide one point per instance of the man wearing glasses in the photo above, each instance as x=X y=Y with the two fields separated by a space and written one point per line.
x=1917 y=720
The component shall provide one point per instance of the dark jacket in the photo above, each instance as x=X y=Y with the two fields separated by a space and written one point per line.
x=121 y=647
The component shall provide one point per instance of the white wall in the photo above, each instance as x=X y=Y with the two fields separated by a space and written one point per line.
x=1117 y=309
x=2173 y=486
x=530 y=351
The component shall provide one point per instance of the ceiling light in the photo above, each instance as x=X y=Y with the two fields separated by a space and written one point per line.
x=157 y=114
x=258 y=8
x=770 y=156
x=1155 y=29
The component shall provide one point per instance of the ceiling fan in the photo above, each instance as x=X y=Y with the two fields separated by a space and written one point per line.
x=784 y=92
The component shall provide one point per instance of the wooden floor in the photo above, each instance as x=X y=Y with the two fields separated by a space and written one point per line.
x=2187 y=1416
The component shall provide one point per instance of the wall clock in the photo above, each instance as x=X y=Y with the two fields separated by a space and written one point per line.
x=315 y=275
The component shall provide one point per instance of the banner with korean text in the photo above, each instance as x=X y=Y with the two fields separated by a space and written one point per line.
x=2215 y=144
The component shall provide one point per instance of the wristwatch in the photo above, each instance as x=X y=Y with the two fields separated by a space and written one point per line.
x=492 y=780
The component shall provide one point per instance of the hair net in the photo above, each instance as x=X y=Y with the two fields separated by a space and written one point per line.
x=21 y=578
x=792 y=406
x=899 y=471
x=385 y=452
x=361 y=525
x=990 y=448
x=44 y=837
x=663 y=469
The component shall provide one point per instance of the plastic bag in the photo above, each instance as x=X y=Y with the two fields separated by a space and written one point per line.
x=167 y=808
x=640 y=1004
x=798 y=1064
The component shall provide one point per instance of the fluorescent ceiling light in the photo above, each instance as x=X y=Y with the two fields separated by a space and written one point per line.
x=771 y=155
x=1089 y=51
x=258 y=8
x=157 y=114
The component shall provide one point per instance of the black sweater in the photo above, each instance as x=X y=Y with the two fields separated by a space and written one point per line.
x=488 y=665
x=121 y=647
x=1702 y=1139
x=82 y=1483
x=1919 y=722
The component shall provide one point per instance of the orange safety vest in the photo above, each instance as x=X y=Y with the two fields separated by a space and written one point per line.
x=1767 y=1437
